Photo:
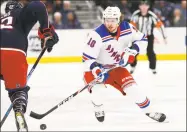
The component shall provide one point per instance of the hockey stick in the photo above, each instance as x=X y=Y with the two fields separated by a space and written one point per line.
x=91 y=84
x=40 y=116
x=28 y=77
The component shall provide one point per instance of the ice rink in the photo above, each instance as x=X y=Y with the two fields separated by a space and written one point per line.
x=51 y=83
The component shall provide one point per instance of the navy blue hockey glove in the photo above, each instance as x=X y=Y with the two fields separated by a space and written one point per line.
x=48 y=35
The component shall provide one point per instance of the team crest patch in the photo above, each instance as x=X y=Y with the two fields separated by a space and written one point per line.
x=17 y=85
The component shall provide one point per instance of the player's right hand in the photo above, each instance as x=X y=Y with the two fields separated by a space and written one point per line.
x=98 y=72
x=48 y=38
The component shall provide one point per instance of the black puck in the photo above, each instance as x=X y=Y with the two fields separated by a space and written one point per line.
x=43 y=126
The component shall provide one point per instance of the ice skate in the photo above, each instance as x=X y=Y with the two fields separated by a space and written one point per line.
x=99 y=112
x=160 y=117
x=20 y=122
x=132 y=70
x=154 y=71
x=19 y=100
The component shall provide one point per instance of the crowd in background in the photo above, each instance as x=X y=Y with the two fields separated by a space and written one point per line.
x=61 y=15
x=171 y=12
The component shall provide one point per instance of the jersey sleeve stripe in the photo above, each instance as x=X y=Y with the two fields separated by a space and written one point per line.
x=87 y=56
x=144 y=38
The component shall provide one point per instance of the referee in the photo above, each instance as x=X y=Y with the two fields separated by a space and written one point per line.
x=145 y=21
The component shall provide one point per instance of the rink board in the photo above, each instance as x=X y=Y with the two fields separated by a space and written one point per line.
x=71 y=45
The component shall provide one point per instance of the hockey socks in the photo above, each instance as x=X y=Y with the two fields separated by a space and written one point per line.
x=144 y=103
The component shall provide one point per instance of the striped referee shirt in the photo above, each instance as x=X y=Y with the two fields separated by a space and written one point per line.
x=146 y=24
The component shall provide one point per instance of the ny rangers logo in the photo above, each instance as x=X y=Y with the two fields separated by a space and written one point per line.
x=113 y=53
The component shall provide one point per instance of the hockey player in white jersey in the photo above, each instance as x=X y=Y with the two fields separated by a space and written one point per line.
x=106 y=46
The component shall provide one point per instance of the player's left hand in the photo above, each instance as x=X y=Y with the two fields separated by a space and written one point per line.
x=48 y=38
x=129 y=56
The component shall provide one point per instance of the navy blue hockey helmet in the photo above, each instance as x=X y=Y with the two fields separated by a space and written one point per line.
x=11 y=5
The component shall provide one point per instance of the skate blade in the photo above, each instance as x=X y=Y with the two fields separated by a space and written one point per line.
x=166 y=121
x=23 y=130
x=22 y=127
x=159 y=122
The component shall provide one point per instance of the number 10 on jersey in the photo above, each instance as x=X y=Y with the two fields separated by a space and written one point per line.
x=91 y=42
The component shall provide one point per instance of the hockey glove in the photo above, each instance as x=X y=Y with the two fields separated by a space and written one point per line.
x=98 y=72
x=48 y=35
x=128 y=56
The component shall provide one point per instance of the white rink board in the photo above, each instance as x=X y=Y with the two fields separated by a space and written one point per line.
x=71 y=43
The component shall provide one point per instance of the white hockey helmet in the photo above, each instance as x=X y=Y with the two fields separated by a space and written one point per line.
x=112 y=12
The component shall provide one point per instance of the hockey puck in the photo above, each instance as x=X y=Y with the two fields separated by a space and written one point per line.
x=43 y=126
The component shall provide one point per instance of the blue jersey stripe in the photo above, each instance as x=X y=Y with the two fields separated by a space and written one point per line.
x=88 y=56
x=107 y=40
x=125 y=34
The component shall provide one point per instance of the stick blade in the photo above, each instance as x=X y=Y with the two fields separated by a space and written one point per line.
x=36 y=116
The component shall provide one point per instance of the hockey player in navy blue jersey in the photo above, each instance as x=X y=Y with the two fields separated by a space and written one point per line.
x=15 y=26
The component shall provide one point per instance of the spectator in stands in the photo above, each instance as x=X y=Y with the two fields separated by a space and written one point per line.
x=49 y=7
x=57 y=23
x=178 y=19
x=104 y=3
x=58 y=5
x=166 y=22
x=166 y=9
x=66 y=9
x=44 y=1
x=134 y=5
x=72 y=22
x=125 y=9
x=182 y=7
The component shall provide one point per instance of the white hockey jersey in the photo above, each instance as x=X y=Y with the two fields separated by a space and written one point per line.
x=107 y=50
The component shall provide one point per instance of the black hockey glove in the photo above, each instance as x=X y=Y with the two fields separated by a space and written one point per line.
x=48 y=35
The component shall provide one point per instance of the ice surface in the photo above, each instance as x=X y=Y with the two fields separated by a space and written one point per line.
x=51 y=83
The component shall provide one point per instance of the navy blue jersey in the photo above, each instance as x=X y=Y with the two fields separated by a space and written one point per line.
x=16 y=25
